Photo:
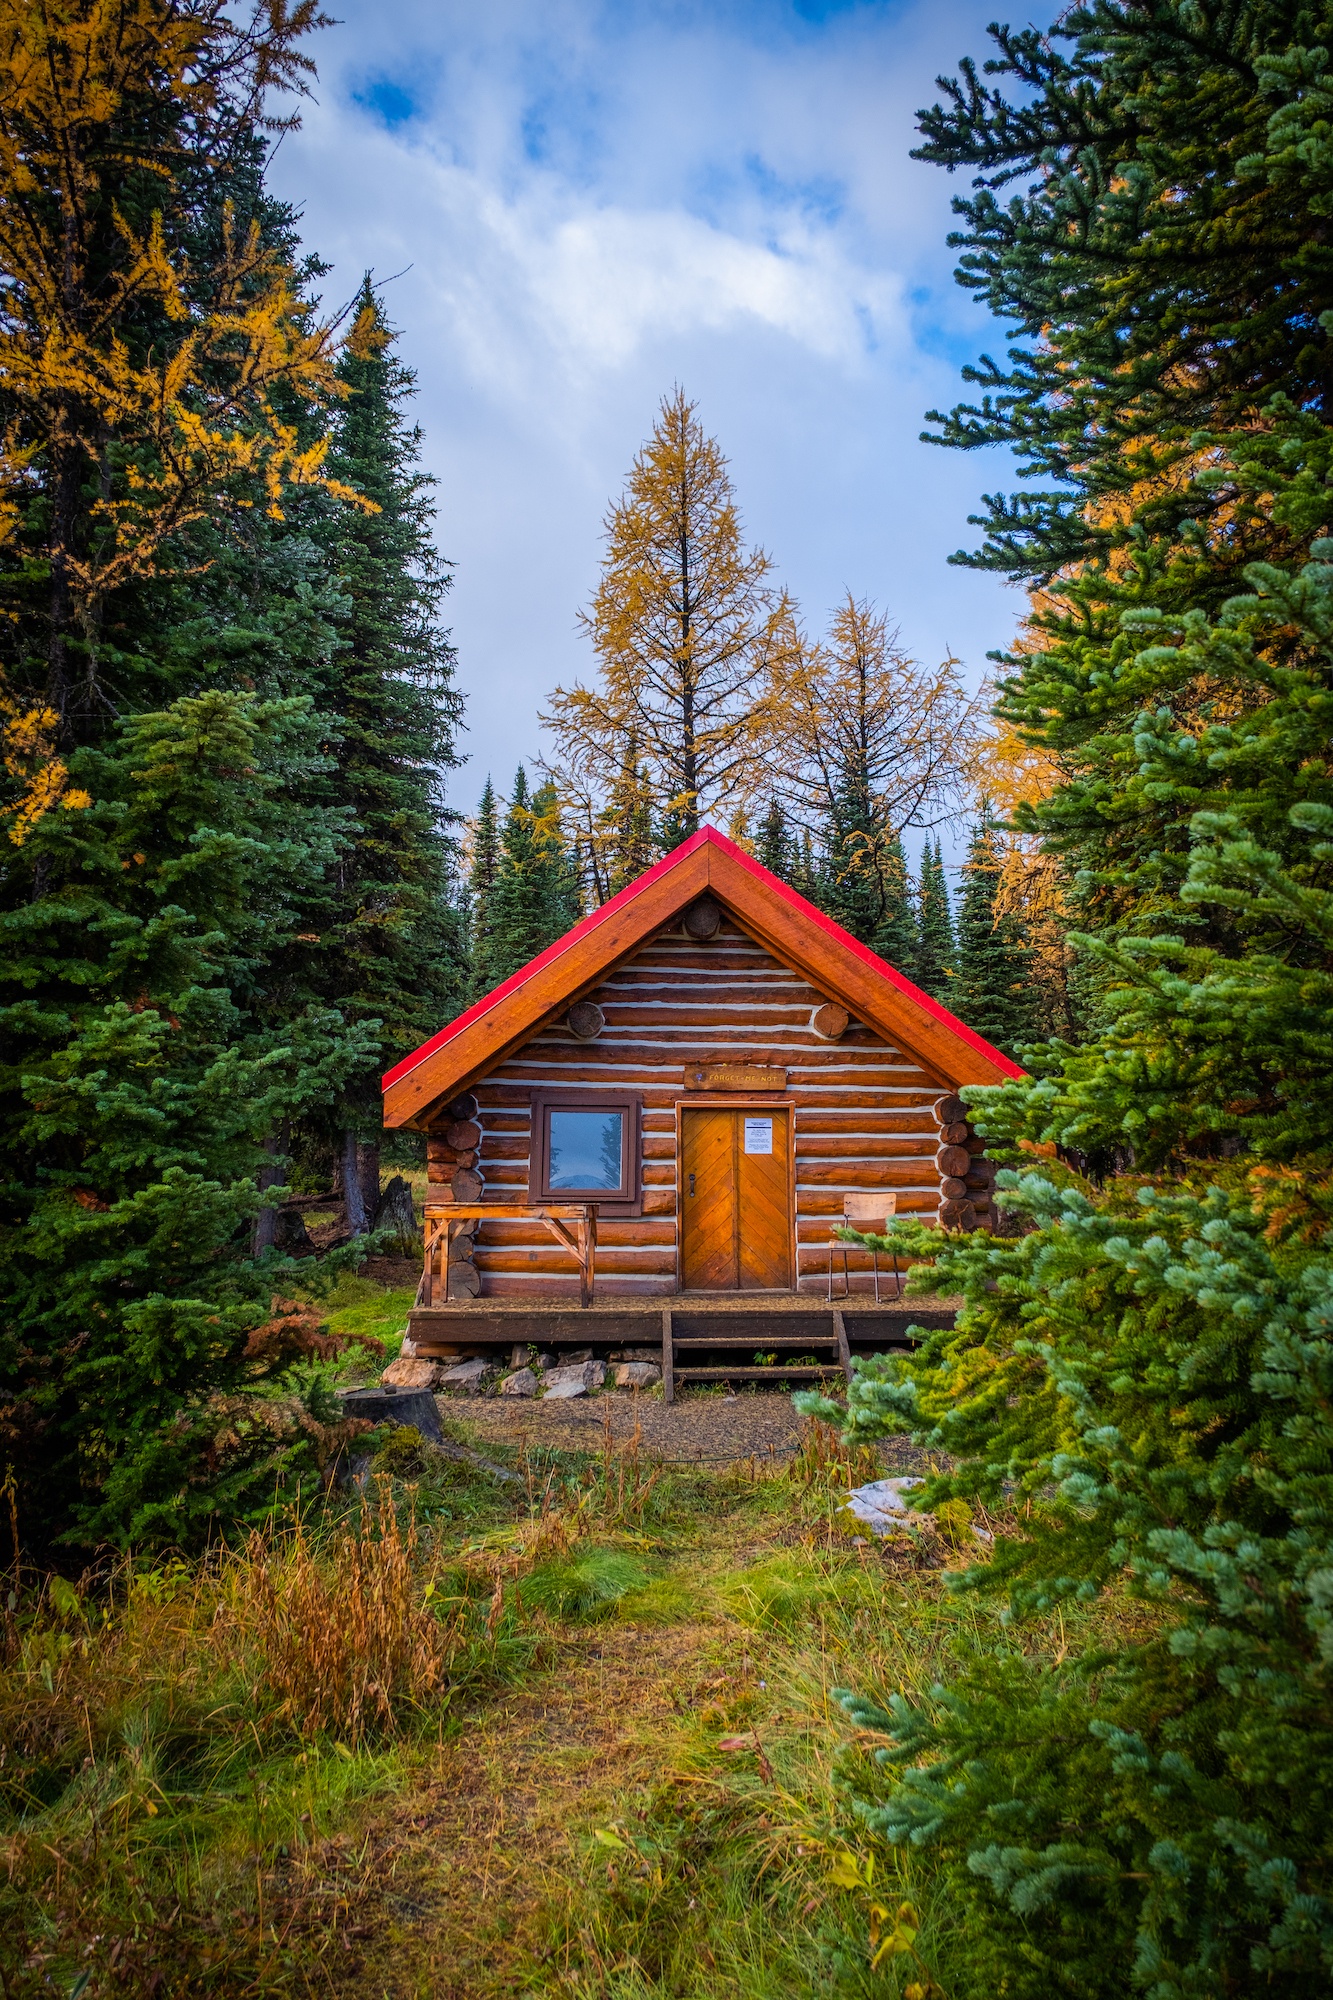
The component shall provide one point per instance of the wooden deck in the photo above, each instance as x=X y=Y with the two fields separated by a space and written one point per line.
x=701 y=1337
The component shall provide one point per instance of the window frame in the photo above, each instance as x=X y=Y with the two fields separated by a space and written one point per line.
x=627 y=1199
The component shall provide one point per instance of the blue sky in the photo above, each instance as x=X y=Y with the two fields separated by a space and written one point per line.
x=588 y=204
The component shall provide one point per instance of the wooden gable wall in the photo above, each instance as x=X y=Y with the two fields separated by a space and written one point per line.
x=863 y=1117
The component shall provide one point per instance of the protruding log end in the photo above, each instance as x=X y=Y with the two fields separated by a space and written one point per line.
x=703 y=919
x=586 y=1020
x=466 y=1185
x=957 y=1215
x=464 y=1281
x=829 y=1021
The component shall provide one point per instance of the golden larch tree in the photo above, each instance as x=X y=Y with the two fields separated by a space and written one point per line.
x=685 y=623
x=853 y=709
x=138 y=390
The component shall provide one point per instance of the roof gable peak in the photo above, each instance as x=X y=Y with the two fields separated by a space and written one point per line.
x=778 y=916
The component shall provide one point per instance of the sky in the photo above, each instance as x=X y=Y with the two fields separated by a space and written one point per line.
x=573 y=208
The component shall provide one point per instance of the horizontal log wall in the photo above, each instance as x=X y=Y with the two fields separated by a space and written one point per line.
x=863 y=1116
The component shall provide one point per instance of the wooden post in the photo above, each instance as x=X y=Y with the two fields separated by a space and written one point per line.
x=587 y=1253
x=668 y=1359
x=844 y=1351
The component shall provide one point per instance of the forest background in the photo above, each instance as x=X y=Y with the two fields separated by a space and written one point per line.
x=233 y=890
x=228 y=700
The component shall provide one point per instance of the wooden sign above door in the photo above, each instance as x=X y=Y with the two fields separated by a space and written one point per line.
x=733 y=1076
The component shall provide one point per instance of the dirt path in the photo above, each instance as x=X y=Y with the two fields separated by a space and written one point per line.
x=697 y=1429
x=481 y=1845
x=448 y=1891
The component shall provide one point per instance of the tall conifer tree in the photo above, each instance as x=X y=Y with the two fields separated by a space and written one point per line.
x=1145 y=1379
x=805 y=868
x=935 y=935
x=993 y=990
x=536 y=885
x=863 y=883
x=482 y=877
x=897 y=937
x=392 y=949
x=778 y=849
x=626 y=832
x=164 y=408
x=685 y=623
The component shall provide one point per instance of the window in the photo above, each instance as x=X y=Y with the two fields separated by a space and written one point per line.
x=585 y=1147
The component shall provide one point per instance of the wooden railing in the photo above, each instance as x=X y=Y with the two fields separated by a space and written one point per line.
x=572 y=1224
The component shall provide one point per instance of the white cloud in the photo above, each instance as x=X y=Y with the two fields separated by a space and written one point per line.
x=596 y=203
x=545 y=282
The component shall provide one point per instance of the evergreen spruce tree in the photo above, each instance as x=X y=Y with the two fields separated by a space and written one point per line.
x=1142 y=1383
x=170 y=836
x=627 y=836
x=805 y=876
x=935 y=962
x=863 y=884
x=391 y=950
x=993 y=990
x=132 y=1104
x=536 y=885
x=482 y=877
x=897 y=936
x=778 y=848
x=1170 y=449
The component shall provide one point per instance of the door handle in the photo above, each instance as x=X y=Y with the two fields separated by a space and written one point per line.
x=691 y=1183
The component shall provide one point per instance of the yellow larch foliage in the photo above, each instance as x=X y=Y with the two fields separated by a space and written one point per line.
x=856 y=703
x=685 y=622
x=125 y=370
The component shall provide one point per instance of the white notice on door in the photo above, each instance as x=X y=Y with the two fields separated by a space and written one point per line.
x=759 y=1135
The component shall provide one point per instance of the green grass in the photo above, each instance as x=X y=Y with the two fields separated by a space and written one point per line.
x=585 y=1586
x=360 y=1306
x=232 y=1777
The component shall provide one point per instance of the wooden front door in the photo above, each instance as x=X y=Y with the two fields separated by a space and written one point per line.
x=735 y=1199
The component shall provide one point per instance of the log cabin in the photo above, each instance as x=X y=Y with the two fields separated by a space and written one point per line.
x=680 y=1101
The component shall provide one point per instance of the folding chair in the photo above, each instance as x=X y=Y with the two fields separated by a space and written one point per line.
x=868 y=1212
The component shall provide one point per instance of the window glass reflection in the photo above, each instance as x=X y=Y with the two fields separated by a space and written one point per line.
x=586 y=1149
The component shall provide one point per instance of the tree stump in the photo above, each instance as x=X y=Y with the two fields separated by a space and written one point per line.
x=411 y=1407
x=395 y=1210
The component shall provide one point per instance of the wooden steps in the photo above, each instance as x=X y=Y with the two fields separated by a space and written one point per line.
x=774 y=1374
x=700 y=1342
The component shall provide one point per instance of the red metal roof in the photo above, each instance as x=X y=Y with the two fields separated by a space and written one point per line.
x=772 y=885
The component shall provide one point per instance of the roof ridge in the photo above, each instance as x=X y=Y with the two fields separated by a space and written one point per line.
x=704 y=836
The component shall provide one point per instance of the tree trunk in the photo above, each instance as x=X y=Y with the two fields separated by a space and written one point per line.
x=353 y=1199
x=270 y=1175
x=65 y=491
x=368 y=1157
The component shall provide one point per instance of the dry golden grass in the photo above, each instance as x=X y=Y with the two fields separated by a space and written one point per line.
x=340 y=1635
x=584 y=1751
